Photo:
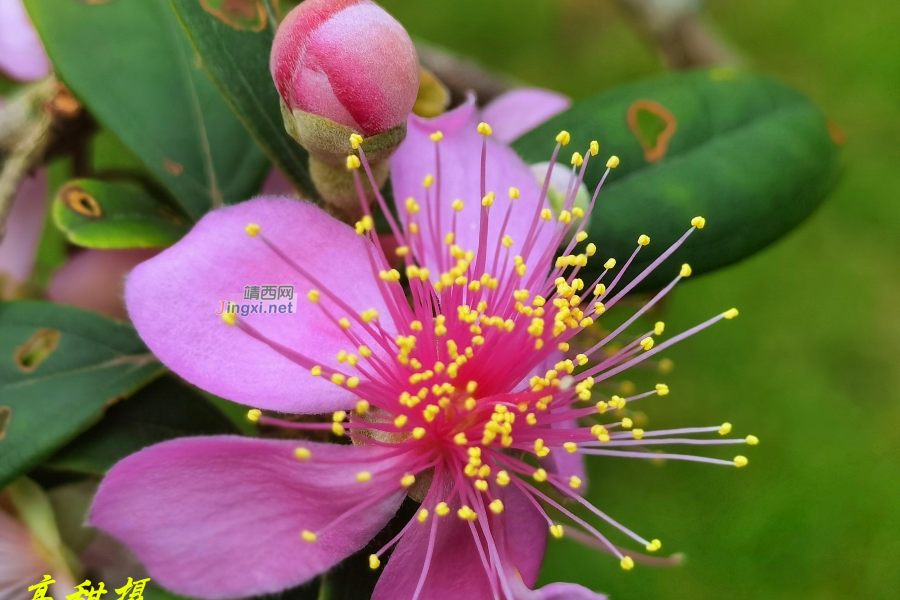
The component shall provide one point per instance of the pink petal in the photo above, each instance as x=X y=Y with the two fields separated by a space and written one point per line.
x=23 y=229
x=95 y=280
x=173 y=300
x=22 y=56
x=461 y=178
x=456 y=571
x=221 y=517
x=567 y=464
x=558 y=591
x=276 y=184
x=20 y=564
x=519 y=111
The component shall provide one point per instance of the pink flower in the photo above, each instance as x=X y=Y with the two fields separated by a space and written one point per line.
x=22 y=56
x=348 y=61
x=444 y=388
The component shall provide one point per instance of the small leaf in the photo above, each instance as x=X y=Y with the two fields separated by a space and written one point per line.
x=107 y=215
x=750 y=154
x=132 y=65
x=60 y=368
x=237 y=59
x=164 y=410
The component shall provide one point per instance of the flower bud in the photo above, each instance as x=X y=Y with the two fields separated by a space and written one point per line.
x=343 y=67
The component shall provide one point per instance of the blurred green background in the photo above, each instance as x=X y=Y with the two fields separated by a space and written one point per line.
x=810 y=365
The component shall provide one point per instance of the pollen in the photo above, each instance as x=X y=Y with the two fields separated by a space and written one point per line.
x=252 y=229
x=627 y=563
x=374 y=561
x=309 y=536
x=457 y=205
x=610 y=264
x=595 y=148
x=570 y=447
x=485 y=129
x=653 y=546
x=563 y=138
x=685 y=270
x=428 y=181
x=363 y=476
x=401 y=421
x=740 y=461
x=436 y=136
x=659 y=328
x=356 y=141
x=613 y=162
x=344 y=322
x=577 y=159
x=725 y=429
x=698 y=222
x=229 y=318
x=540 y=475
x=423 y=515
x=503 y=478
x=730 y=313
x=556 y=531
x=575 y=482
x=647 y=343
x=514 y=193
x=352 y=162
x=662 y=389
x=253 y=415
x=644 y=240
x=752 y=440
x=496 y=506
x=637 y=433
x=442 y=510
x=418 y=433
x=408 y=480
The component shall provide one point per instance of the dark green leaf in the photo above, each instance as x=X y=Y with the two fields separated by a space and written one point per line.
x=750 y=154
x=60 y=368
x=164 y=410
x=108 y=214
x=235 y=46
x=133 y=67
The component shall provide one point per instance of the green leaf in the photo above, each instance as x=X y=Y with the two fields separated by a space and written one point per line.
x=750 y=154
x=60 y=368
x=235 y=39
x=164 y=410
x=133 y=67
x=108 y=214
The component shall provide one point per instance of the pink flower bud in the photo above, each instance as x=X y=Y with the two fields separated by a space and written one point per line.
x=348 y=61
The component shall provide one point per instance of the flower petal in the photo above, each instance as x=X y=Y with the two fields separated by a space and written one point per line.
x=20 y=563
x=22 y=56
x=23 y=231
x=455 y=572
x=221 y=517
x=460 y=178
x=174 y=298
x=519 y=111
x=557 y=591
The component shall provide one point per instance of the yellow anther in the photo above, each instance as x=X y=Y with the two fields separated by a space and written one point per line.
x=457 y=205
x=725 y=429
x=252 y=229
x=565 y=217
x=229 y=318
x=460 y=439
x=355 y=141
x=546 y=214
x=666 y=365
x=540 y=475
x=595 y=148
x=647 y=343
x=613 y=162
x=563 y=137
x=591 y=249
x=363 y=476
x=581 y=236
x=401 y=421
x=315 y=371
x=308 y=536
x=362 y=407
x=637 y=433
x=610 y=264
x=481 y=485
x=489 y=199
x=338 y=379
x=627 y=423
x=352 y=382
x=423 y=515
x=507 y=241
x=503 y=478
x=407 y=480
x=644 y=240
x=418 y=433
x=577 y=159
x=730 y=313
x=467 y=514
x=428 y=181
x=570 y=447
x=344 y=322
x=662 y=389
x=556 y=531
x=653 y=546
x=442 y=510
x=392 y=275
x=337 y=429
x=314 y=295
x=740 y=461
x=436 y=136
x=586 y=322
x=352 y=162
x=514 y=193
x=374 y=562
x=414 y=228
x=698 y=222
x=302 y=453
x=601 y=407
x=484 y=471
x=253 y=415
x=627 y=563
x=496 y=506
x=471 y=387
x=339 y=416
x=752 y=440
x=659 y=328
x=685 y=270
x=485 y=129
x=575 y=482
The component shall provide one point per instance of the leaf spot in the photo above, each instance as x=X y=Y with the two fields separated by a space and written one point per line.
x=242 y=15
x=653 y=126
x=39 y=346
x=5 y=418
x=173 y=167
x=81 y=202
